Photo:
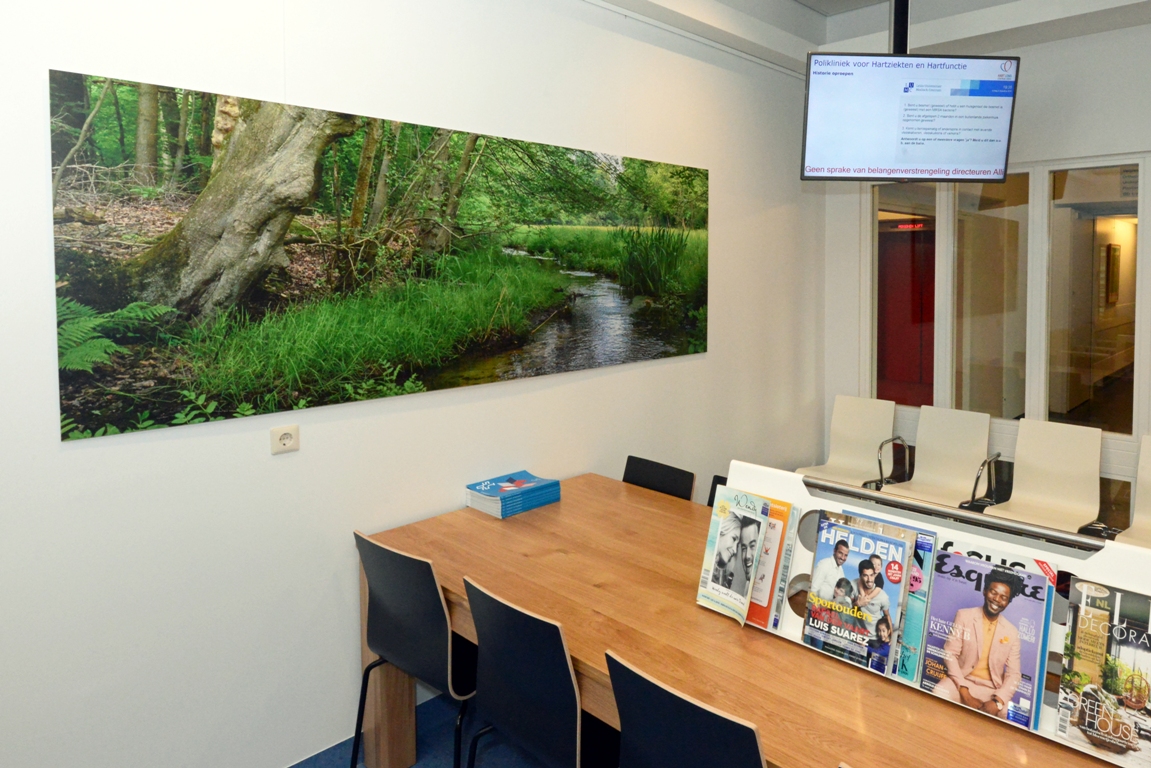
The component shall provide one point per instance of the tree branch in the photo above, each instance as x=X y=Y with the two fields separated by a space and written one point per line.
x=80 y=141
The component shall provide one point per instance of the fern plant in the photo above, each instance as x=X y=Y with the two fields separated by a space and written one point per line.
x=82 y=333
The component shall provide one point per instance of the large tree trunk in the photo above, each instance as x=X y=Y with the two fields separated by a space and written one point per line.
x=234 y=232
x=146 y=123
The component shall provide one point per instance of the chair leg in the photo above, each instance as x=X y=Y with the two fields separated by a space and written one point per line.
x=360 y=715
x=460 y=732
x=475 y=744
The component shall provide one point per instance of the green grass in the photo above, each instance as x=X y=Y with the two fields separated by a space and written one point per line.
x=600 y=249
x=325 y=351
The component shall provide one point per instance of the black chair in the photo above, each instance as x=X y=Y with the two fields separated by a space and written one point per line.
x=659 y=477
x=525 y=683
x=408 y=626
x=716 y=481
x=662 y=728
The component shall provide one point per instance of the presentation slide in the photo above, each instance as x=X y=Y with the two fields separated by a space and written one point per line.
x=908 y=117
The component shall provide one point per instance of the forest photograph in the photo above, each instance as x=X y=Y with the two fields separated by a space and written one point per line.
x=219 y=257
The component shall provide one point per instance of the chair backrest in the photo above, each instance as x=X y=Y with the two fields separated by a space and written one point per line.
x=1057 y=465
x=659 y=477
x=949 y=446
x=525 y=683
x=858 y=426
x=716 y=482
x=408 y=620
x=662 y=728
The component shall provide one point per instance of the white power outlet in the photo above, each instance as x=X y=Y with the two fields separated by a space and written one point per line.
x=285 y=439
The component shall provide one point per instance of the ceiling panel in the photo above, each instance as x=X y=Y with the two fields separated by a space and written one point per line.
x=832 y=7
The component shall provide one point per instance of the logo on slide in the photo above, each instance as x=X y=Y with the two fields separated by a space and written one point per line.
x=1007 y=65
x=909 y=87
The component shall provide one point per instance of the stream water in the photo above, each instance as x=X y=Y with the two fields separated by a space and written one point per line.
x=603 y=328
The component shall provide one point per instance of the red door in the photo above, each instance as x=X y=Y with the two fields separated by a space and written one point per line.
x=905 y=348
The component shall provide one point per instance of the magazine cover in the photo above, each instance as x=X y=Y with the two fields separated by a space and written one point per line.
x=1103 y=693
x=908 y=662
x=786 y=560
x=738 y=520
x=1025 y=563
x=768 y=571
x=984 y=636
x=908 y=635
x=850 y=614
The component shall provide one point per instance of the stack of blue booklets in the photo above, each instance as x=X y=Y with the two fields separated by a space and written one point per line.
x=509 y=495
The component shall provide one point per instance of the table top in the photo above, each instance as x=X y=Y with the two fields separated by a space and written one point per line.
x=618 y=567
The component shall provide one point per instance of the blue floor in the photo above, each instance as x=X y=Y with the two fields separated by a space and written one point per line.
x=435 y=731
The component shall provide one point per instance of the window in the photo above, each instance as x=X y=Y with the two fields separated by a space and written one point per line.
x=905 y=297
x=1091 y=302
x=991 y=297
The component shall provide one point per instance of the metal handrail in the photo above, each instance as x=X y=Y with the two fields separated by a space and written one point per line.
x=886 y=498
x=879 y=457
x=990 y=477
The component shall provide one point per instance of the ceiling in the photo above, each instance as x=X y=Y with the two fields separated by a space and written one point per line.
x=832 y=7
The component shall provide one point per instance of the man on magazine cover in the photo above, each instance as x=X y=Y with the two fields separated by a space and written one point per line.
x=982 y=652
x=829 y=571
x=870 y=597
x=748 y=541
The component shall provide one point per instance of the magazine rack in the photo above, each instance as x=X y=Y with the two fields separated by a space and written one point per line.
x=1110 y=562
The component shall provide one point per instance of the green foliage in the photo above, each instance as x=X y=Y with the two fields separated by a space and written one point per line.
x=663 y=195
x=651 y=259
x=198 y=410
x=144 y=421
x=1114 y=673
x=328 y=350
x=697 y=336
x=81 y=434
x=82 y=333
x=242 y=410
x=387 y=386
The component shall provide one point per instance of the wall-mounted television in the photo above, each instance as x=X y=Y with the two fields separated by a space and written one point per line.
x=908 y=117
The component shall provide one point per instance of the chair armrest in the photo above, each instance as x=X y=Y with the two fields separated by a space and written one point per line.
x=883 y=479
x=990 y=477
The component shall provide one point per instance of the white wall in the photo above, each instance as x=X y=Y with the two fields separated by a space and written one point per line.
x=181 y=597
x=1078 y=98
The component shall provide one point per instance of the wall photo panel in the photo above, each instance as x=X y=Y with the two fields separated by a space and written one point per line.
x=219 y=257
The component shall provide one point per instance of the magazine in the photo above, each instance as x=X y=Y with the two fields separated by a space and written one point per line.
x=786 y=561
x=767 y=572
x=850 y=614
x=908 y=661
x=919 y=544
x=508 y=495
x=1026 y=563
x=994 y=673
x=738 y=519
x=1103 y=693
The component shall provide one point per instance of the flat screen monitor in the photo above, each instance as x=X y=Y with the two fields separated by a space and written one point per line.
x=886 y=117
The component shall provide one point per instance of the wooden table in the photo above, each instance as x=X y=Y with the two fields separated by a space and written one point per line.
x=618 y=566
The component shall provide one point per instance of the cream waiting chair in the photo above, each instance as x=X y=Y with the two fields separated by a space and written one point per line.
x=950 y=449
x=1056 y=479
x=1139 y=533
x=859 y=427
